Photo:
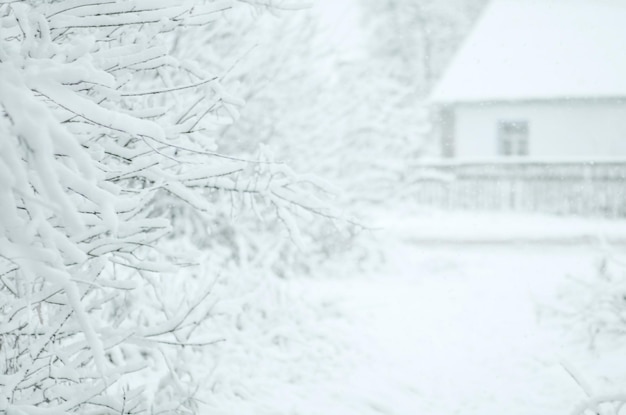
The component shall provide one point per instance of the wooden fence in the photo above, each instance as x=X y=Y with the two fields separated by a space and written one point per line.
x=588 y=188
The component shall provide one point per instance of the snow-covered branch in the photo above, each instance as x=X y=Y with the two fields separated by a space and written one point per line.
x=106 y=135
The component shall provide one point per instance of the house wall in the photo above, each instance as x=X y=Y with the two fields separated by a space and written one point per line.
x=570 y=129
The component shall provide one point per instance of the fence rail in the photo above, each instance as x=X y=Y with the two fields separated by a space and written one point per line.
x=581 y=187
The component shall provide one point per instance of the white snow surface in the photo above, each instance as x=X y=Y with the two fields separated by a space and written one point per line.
x=482 y=228
x=441 y=329
x=540 y=49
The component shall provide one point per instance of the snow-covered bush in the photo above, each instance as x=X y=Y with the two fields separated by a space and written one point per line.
x=339 y=117
x=334 y=116
x=590 y=313
x=107 y=139
x=595 y=304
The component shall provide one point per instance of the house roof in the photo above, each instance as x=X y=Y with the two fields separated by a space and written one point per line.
x=540 y=50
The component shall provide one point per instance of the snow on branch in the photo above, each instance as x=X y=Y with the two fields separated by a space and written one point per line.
x=105 y=134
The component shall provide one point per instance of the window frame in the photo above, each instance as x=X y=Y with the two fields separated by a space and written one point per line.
x=513 y=137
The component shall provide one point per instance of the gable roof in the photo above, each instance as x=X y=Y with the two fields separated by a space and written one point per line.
x=540 y=50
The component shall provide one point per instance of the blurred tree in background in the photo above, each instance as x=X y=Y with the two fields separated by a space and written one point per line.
x=417 y=39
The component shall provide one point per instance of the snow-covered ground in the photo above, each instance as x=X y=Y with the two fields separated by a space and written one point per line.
x=455 y=328
x=482 y=228
x=446 y=325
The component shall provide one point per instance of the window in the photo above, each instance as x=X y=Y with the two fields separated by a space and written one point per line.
x=513 y=138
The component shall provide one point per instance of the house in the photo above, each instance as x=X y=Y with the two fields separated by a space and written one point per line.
x=538 y=78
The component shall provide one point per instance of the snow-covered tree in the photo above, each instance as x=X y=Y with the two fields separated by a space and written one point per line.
x=418 y=38
x=314 y=103
x=108 y=136
x=321 y=111
x=411 y=44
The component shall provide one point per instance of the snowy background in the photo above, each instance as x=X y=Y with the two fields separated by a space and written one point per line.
x=231 y=207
